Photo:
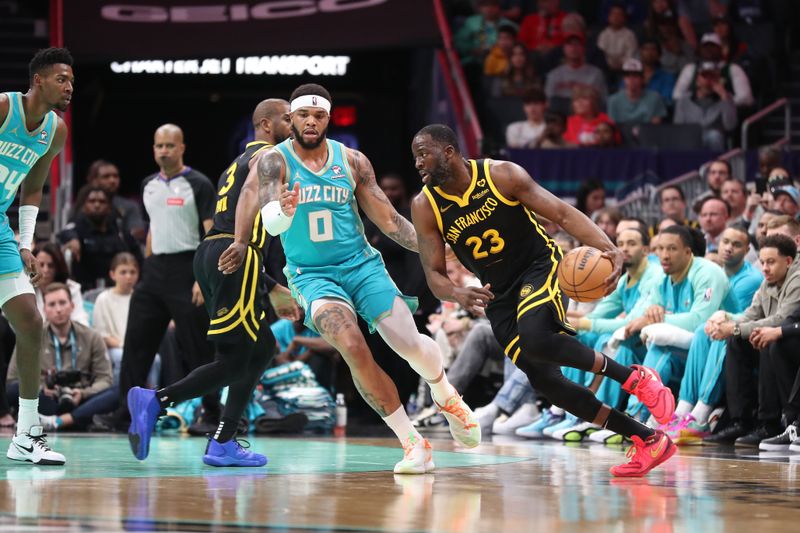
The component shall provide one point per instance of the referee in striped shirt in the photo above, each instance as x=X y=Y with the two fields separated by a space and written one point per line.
x=180 y=204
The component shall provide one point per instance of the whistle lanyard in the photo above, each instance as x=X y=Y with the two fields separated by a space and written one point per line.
x=73 y=348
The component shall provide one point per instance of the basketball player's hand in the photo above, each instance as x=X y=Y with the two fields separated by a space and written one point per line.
x=615 y=256
x=473 y=299
x=31 y=266
x=281 y=299
x=289 y=199
x=197 y=295
x=232 y=258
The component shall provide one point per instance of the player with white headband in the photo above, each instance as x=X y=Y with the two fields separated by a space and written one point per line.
x=310 y=188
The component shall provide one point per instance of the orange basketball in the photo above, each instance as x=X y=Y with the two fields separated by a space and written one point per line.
x=582 y=274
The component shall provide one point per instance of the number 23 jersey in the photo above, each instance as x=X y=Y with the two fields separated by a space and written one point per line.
x=495 y=238
x=326 y=229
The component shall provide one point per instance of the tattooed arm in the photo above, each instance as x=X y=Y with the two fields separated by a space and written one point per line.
x=375 y=204
x=262 y=185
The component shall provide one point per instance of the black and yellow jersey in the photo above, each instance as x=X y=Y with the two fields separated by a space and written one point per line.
x=496 y=238
x=228 y=189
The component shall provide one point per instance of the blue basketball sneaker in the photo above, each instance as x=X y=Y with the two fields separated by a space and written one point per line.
x=231 y=453
x=535 y=430
x=145 y=409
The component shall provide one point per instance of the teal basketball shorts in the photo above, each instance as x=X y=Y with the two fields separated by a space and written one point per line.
x=361 y=281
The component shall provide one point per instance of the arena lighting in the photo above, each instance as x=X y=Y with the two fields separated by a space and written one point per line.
x=283 y=65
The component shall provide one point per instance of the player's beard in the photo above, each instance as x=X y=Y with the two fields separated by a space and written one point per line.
x=440 y=174
x=306 y=145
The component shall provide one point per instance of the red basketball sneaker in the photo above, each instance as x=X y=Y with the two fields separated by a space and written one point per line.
x=645 y=455
x=645 y=384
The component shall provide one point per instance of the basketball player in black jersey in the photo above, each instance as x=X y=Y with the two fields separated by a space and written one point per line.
x=486 y=211
x=234 y=300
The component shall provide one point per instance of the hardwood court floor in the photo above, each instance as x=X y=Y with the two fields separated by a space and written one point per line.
x=347 y=485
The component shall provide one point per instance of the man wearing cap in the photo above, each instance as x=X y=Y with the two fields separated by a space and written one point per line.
x=575 y=71
x=710 y=105
x=732 y=77
x=786 y=199
x=635 y=104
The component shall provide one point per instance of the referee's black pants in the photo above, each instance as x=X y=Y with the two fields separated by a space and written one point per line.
x=163 y=294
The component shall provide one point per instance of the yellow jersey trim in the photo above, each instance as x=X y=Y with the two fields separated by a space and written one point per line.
x=462 y=201
x=494 y=189
x=435 y=208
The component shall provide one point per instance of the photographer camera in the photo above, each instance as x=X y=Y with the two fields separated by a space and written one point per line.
x=76 y=372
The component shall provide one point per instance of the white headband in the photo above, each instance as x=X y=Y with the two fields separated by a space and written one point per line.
x=310 y=100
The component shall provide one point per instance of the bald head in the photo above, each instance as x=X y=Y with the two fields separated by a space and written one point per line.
x=271 y=120
x=168 y=149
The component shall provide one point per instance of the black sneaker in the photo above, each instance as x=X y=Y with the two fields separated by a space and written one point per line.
x=113 y=422
x=205 y=424
x=754 y=438
x=735 y=430
x=780 y=443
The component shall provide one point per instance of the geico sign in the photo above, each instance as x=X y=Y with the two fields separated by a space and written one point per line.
x=231 y=12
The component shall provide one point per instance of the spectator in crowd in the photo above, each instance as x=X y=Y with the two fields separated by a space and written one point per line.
x=672 y=203
x=607 y=135
x=106 y=175
x=586 y=116
x=479 y=33
x=732 y=79
x=297 y=342
x=765 y=395
x=635 y=104
x=714 y=215
x=511 y=9
x=703 y=382
x=655 y=77
x=617 y=41
x=541 y=31
x=53 y=269
x=691 y=290
x=658 y=11
x=769 y=158
x=764 y=221
x=553 y=136
x=710 y=106
x=561 y=81
x=591 y=197
x=732 y=48
x=699 y=14
x=110 y=313
x=784 y=225
x=735 y=195
x=75 y=369
x=607 y=220
x=785 y=198
x=180 y=203
x=94 y=238
x=497 y=60
x=519 y=79
x=526 y=133
x=676 y=53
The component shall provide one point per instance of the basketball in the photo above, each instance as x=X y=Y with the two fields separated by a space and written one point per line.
x=582 y=274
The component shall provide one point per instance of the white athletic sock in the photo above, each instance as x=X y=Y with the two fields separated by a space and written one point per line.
x=683 y=408
x=401 y=425
x=442 y=390
x=701 y=412
x=28 y=415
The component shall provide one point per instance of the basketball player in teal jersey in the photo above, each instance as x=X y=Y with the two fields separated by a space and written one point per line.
x=335 y=275
x=31 y=135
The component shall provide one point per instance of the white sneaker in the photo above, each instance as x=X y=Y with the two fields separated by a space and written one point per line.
x=576 y=433
x=32 y=447
x=464 y=426
x=417 y=458
x=48 y=423
x=486 y=416
x=522 y=417
x=600 y=436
